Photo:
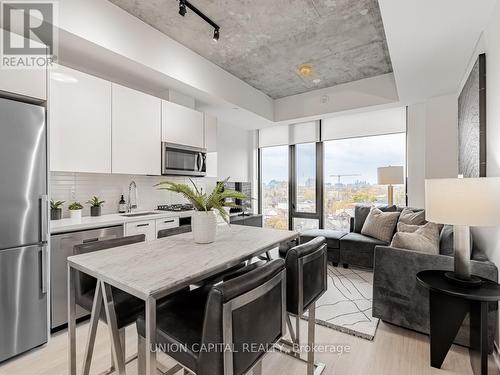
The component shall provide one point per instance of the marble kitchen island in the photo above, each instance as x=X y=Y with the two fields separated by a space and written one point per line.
x=155 y=269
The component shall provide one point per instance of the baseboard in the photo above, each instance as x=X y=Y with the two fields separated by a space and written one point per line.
x=496 y=356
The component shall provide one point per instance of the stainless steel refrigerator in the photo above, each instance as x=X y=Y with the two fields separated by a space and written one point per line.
x=23 y=227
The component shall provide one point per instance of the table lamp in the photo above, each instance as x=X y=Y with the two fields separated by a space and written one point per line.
x=390 y=176
x=463 y=202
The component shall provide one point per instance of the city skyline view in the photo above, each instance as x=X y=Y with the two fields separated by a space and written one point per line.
x=350 y=178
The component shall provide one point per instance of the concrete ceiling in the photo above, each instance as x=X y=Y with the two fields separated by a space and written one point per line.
x=264 y=42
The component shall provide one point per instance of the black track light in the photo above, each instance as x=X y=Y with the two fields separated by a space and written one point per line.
x=184 y=4
x=182 y=8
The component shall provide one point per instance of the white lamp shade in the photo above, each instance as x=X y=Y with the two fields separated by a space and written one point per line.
x=463 y=201
x=390 y=175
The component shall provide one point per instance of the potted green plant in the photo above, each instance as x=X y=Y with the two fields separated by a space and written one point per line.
x=95 y=206
x=204 y=220
x=56 y=209
x=75 y=210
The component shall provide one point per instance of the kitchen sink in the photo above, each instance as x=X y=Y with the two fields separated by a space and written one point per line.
x=138 y=214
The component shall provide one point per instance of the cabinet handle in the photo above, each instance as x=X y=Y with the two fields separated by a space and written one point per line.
x=91 y=240
x=142 y=225
x=169 y=221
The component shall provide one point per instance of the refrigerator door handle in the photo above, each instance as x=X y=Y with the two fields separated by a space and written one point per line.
x=43 y=273
x=44 y=218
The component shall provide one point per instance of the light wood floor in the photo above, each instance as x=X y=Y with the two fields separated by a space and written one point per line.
x=395 y=351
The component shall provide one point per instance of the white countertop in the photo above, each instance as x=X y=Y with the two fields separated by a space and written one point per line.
x=155 y=267
x=89 y=222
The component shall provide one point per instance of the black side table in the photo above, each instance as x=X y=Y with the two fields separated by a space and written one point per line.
x=449 y=304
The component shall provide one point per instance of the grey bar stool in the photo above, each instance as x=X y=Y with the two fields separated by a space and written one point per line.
x=127 y=307
x=249 y=309
x=306 y=279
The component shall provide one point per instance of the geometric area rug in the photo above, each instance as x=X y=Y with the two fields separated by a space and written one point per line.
x=346 y=306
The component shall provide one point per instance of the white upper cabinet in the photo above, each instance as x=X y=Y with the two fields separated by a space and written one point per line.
x=136 y=135
x=80 y=122
x=30 y=82
x=210 y=133
x=182 y=125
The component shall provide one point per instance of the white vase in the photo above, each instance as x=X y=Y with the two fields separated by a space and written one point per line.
x=204 y=225
x=75 y=214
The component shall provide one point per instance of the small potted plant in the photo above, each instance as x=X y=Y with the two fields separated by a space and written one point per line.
x=204 y=221
x=56 y=209
x=95 y=206
x=75 y=210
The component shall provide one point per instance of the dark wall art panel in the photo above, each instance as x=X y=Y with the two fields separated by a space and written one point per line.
x=472 y=123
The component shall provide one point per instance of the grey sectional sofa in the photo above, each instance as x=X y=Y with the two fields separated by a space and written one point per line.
x=397 y=298
x=350 y=248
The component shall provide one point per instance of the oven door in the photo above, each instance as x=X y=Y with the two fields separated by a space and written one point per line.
x=183 y=160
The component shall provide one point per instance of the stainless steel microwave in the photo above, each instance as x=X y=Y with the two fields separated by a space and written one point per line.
x=183 y=160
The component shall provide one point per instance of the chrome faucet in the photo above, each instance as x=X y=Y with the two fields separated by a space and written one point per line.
x=131 y=206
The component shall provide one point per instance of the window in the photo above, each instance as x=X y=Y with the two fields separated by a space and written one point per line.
x=305 y=180
x=350 y=175
x=274 y=193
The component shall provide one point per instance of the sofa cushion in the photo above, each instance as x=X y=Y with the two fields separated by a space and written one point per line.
x=446 y=245
x=360 y=243
x=412 y=217
x=332 y=236
x=361 y=213
x=423 y=238
x=380 y=225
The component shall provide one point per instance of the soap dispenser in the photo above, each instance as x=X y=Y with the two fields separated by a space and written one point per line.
x=122 y=206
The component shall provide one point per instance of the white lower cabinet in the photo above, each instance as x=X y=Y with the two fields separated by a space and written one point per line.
x=151 y=227
x=147 y=227
x=167 y=223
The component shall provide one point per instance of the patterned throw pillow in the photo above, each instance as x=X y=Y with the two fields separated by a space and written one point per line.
x=380 y=225
x=424 y=238
x=408 y=216
x=361 y=212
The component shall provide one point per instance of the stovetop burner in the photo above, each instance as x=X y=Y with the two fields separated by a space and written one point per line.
x=176 y=207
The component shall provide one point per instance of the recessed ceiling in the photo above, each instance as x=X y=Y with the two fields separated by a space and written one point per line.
x=264 y=42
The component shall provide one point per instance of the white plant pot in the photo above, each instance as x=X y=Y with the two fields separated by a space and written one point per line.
x=204 y=225
x=75 y=214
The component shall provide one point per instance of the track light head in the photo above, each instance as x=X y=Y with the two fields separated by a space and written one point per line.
x=182 y=8
x=216 y=35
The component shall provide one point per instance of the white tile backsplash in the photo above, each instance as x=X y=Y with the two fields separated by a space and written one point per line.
x=80 y=187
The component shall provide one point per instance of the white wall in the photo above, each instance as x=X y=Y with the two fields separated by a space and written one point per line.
x=488 y=239
x=367 y=92
x=432 y=144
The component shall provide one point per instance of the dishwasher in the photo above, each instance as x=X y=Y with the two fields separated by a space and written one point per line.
x=61 y=247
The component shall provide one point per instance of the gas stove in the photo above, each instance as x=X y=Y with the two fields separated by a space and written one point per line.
x=176 y=207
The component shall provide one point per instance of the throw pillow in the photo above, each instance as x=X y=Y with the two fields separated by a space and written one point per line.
x=361 y=213
x=423 y=238
x=380 y=225
x=408 y=216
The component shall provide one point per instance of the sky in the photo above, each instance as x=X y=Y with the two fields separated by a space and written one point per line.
x=354 y=156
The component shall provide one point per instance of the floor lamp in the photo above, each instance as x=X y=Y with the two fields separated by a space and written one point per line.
x=463 y=202
x=390 y=176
